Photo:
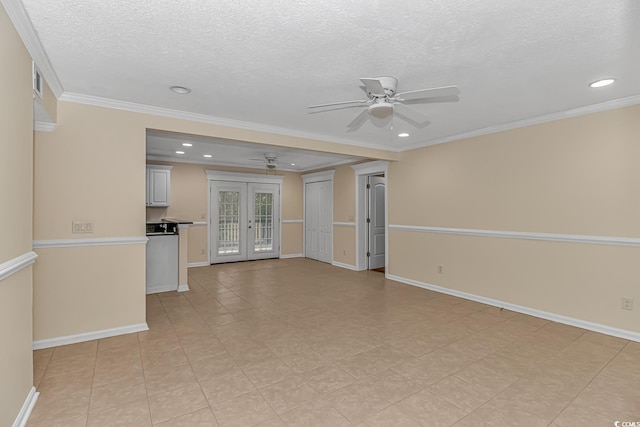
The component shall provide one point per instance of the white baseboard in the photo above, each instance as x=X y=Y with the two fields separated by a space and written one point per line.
x=27 y=407
x=584 y=324
x=198 y=264
x=285 y=256
x=88 y=336
x=343 y=265
x=183 y=288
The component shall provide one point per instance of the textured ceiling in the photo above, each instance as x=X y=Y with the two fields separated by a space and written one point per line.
x=265 y=61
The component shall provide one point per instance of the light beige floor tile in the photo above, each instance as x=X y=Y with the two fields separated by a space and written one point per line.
x=174 y=403
x=288 y=394
x=226 y=386
x=465 y=395
x=117 y=393
x=392 y=386
x=430 y=410
x=77 y=421
x=64 y=386
x=51 y=408
x=200 y=418
x=246 y=410
x=214 y=366
x=327 y=379
x=303 y=360
x=317 y=413
x=389 y=417
x=357 y=401
x=132 y=414
x=267 y=372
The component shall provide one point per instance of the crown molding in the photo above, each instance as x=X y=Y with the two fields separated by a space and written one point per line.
x=566 y=114
x=212 y=163
x=20 y=20
x=97 y=101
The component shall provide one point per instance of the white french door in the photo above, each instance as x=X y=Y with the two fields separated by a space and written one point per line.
x=245 y=221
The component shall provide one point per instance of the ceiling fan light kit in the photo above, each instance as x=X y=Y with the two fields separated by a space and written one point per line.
x=383 y=102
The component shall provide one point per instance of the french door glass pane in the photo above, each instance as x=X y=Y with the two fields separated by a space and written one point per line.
x=263 y=222
x=228 y=222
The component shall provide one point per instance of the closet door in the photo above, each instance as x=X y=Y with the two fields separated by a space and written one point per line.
x=319 y=220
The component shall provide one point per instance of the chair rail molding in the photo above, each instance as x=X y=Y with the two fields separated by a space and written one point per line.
x=16 y=264
x=98 y=241
x=551 y=237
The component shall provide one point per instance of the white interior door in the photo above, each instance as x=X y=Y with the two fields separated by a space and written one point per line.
x=376 y=229
x=245 y=221
x=319 y=220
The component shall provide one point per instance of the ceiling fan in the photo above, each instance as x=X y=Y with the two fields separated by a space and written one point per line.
x=270 y=160
x=383 y=102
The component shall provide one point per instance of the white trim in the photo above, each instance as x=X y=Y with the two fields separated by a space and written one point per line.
x=183 y=288
x=39 y=126
x=344 y=224
x=16 y=264
x=22 y=23
x=293 y=221
x=159 y=167
x=198 y=264
x=199 y=223
x=318 y=176
x=369 y=168
x=183 y=226
x=363 y=170
x=99 y=241
x=27 y=407
x=343 y=265
x=584 y=324
x=573 y=112
x=243 y=177
x=552 y=237
x=88 y=336
x=203 y=118
x=286 y=256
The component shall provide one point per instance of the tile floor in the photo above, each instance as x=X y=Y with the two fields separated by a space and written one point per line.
x=298 y=342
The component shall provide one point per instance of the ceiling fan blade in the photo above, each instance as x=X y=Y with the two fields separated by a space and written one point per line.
x=358 y=121
x=409 y=113
x=373 y=86
x=428 y=93
x=359 y=101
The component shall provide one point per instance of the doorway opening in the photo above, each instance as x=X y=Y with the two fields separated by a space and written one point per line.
x=371 y=215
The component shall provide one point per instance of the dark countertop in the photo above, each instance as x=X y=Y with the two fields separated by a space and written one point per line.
x=176 y=221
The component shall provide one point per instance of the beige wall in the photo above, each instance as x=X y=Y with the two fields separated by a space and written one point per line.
x=16 y=143
x=573 y=176
x=92 y=167
x=189 y=189
x=344 y=210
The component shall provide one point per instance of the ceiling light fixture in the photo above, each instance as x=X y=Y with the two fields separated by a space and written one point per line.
x=179 y=152
x=187 y=144
x=403 y=135
x=602 y=82
x=180 y=90
x=293 y=164
x=207 y=155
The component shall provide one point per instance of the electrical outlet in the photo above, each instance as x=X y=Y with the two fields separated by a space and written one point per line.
x=81 y=227
x=627 y=303
x=440 y=269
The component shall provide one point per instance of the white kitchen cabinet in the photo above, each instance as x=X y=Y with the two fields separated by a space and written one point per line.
x=158 y=185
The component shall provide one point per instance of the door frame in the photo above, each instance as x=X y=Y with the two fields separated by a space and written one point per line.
x=213 y=175
x=307 y=179
x=362 y=170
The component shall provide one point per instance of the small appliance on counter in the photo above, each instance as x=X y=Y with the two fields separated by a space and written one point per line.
x=162 y=257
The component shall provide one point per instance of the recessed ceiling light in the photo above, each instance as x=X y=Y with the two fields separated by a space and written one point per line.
x=602 y=83
x=207 y=155
x=187 y=144
x=180 y=89
x=179 y=152
x=403 y=135
x=293 y=164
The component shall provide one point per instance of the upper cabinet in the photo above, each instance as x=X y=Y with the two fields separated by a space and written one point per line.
x=158 y=185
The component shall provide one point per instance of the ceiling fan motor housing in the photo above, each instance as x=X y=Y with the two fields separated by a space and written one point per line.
x=381 y=110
